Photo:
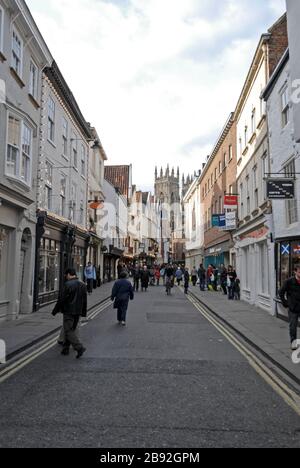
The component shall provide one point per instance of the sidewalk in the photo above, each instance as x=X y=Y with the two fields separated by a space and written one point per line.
x=28 y=329
x=268 y=333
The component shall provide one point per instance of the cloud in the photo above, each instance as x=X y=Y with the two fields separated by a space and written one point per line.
x=154 y=76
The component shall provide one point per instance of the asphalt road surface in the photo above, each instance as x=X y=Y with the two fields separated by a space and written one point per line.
x=167 y=380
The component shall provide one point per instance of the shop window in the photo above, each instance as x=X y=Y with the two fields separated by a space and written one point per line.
x=295 y=254
x=79 y=261
x=49 y=271
x=264 y=262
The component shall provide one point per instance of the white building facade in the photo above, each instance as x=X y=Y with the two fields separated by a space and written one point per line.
x=194 y=226
x=285 y=162
x=23 y=56
x=62 y=236
x=253 y=238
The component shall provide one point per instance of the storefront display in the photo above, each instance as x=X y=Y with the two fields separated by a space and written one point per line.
x=78 y=257
x=288 y=256
x=49 y=271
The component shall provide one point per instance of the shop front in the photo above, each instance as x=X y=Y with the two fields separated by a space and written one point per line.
x=217 y=255
x=287 y=256
x=17 y=240
x=111 y=260
x=59 y=246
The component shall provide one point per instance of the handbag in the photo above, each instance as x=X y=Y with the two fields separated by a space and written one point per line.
x=116 y=303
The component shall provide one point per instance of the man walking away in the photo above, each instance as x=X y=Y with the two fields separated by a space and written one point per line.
x=73 y=305
x=157 y=276
x=194 y=276
x=202 y=277
x=179 y=276
x=290 y=297
x=231 y=277
x=136 y=278
x=145 y=278
x=121 y=293
x=186 y=281
x=90 y=276
x=224 y=279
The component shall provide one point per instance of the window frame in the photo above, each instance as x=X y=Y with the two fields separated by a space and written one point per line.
x=16 y=33
x=292 y=216
x=50 y=120
x=74 y=150
x=83 y=161
x=65 y=132
x=1 y=29
x=23 y=124
x=285 y=107
x=34 y=92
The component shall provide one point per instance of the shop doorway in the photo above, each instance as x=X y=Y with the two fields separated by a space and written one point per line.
x=24 y=271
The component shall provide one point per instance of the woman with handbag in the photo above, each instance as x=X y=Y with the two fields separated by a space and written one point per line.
x=121 y=293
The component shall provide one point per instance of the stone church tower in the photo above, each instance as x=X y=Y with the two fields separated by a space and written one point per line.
x=167 y=190
x=167 y=186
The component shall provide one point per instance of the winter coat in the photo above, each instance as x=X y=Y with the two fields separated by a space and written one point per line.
x=122 y=292
x=145 y=277
x=73 y=300
x=290 y=295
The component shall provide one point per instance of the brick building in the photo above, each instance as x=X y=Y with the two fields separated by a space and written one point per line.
x=218 y=179
x=253 y=240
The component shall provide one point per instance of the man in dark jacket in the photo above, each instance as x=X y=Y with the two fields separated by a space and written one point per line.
x=145 y=278
x=73 y=305
x=136 y=276
x=290 y=297
x=202 y=277
x=121 y=293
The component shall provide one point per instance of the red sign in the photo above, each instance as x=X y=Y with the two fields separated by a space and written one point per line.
x=230 y=202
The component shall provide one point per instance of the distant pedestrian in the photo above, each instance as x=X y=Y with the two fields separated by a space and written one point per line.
x=90 y=277
x=237 y=290
x=202 y=277
x=179 y=276
x=224 y=279
x=145 y=278
x=290 y=297
x=136 y=277
x=186 y=281
x=121 y=293
x=194 y=276
x=157 y=276
x=73 y=305
x=231 y=277
x=163 y=274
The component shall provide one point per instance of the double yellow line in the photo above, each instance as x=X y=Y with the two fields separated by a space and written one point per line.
x=288 y=395
x=12 y=369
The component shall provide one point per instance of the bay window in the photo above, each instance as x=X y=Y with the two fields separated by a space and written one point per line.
x=19 y=149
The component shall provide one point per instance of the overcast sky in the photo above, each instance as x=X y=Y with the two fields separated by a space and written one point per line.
x=157 y=78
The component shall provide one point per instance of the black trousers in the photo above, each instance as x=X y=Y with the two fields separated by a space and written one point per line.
x=122 y=311
x=70 y=325
x=90 y=285
x=293 y=319
x=136 y=284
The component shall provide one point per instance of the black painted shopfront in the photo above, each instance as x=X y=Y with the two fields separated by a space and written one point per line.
x=58 y=246
x=287 y=256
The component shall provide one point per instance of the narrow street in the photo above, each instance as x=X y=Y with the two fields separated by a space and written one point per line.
x=167 y=380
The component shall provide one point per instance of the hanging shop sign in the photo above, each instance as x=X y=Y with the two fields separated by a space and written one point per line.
x=225 y=222
x=231 y=202
x=281 y=189
x=231 y=223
